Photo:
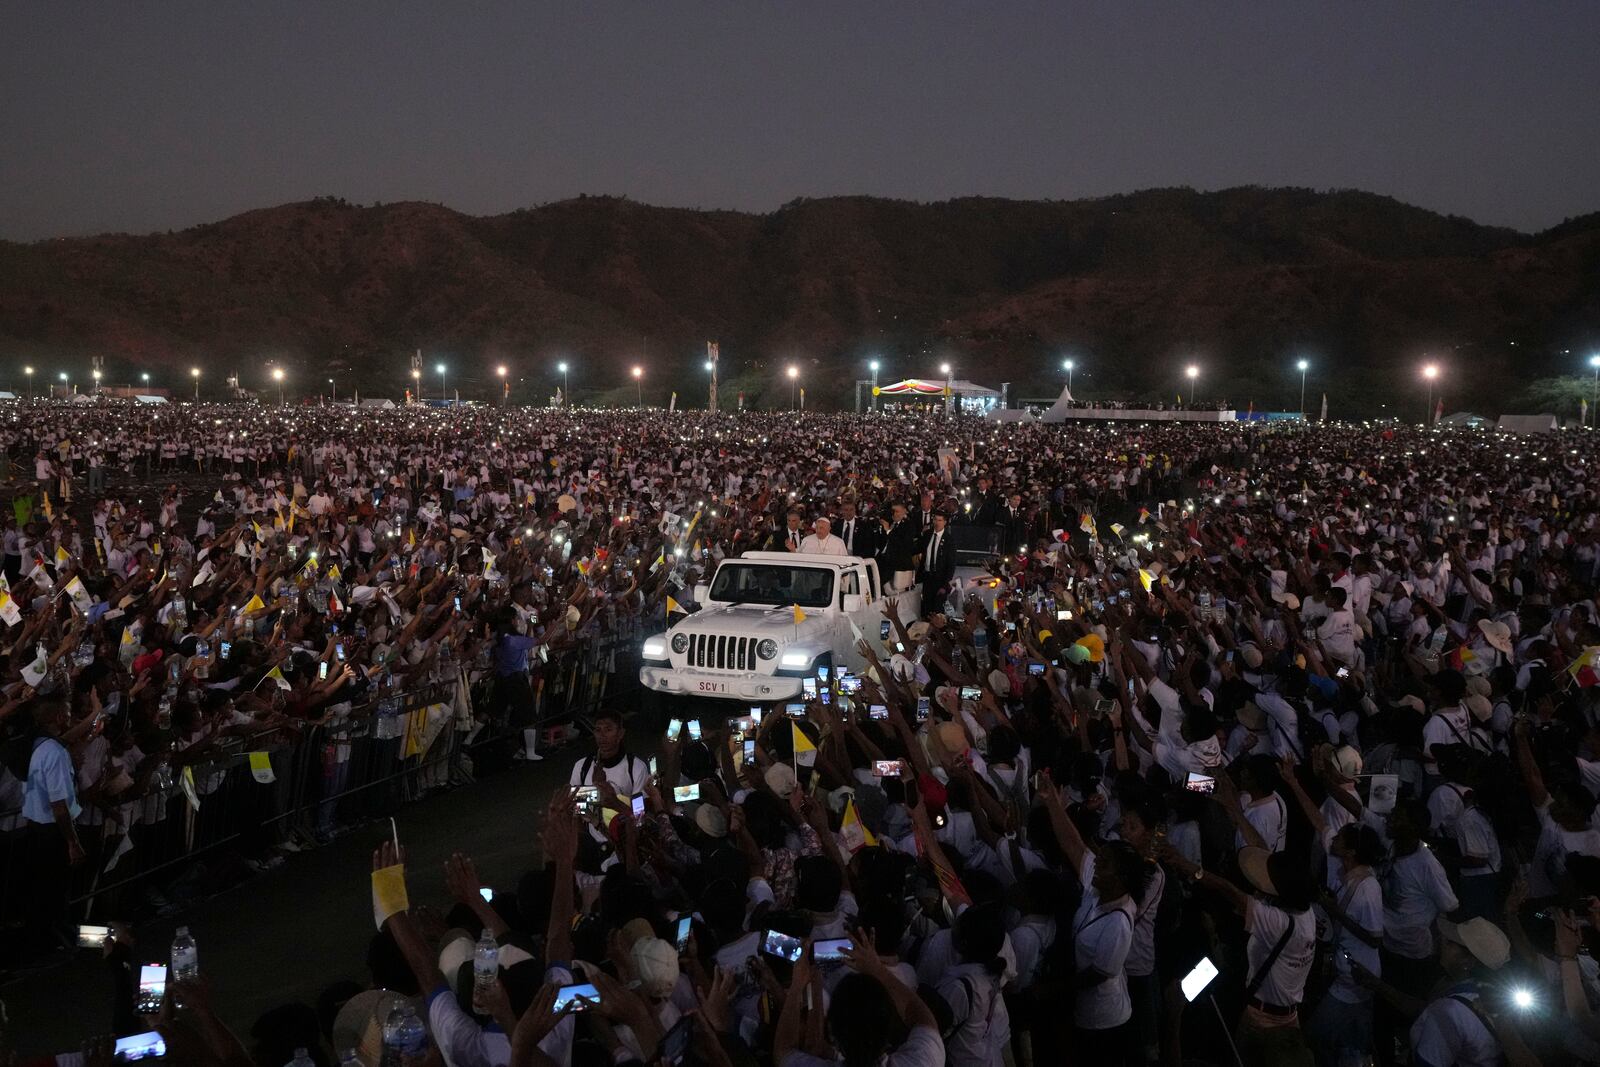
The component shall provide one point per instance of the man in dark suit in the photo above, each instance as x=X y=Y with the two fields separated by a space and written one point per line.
x=855 y=532
x=1019 y=528
x=897 y=548
x=922 y=518
x=787 y=538
x=985 y=503
x=937 y=565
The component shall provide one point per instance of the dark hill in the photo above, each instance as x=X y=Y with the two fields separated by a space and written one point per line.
x=1242 y=282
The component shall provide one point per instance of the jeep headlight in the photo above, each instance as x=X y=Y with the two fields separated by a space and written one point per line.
x=680 y=643
x=655 y=648
x=767 y=649
x=796 y=659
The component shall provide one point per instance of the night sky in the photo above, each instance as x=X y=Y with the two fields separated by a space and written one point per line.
x=161 y=115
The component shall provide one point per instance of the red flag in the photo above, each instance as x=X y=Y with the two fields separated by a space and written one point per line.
x=1438 y=410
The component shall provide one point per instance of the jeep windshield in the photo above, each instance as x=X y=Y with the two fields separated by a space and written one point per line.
x=767 y=583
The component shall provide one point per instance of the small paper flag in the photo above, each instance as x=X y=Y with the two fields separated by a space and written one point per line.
x=805 y=753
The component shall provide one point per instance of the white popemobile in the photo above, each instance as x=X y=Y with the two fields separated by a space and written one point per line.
x=745 y=643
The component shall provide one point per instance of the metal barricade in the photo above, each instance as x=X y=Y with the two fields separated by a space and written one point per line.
x=234 y=811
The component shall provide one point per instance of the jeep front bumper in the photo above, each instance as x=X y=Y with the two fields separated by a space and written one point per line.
x=753 y=687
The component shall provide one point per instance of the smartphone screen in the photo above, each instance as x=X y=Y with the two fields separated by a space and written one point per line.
x=1195 y=982
x=1102 y=708
x=694 y=729
x=1200 y=783
x=808 y=686
x=886 y=768
x=1063 y=615
x=1036 y=669
x=922 y=709
x=486 y=893
x=755 y=716
x=683 y=931
x=146 y=1046
x=227 y=649
x=152 y=987
x=900 y=648
x=458 y=605
x=582 y=997
x=783 y=946
x=674 y=728
x=822 y=674
x=322 y=671
x=749 y=749
x=833 y=948
x=93 y=936
x=1342 y=673
x=638 y=806
x=685 y=793
x=338 y=650
x=884 y=628
x=675 y=1045
x=877 y=711
x=970 y=692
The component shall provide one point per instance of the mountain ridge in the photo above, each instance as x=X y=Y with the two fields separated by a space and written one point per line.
x=1240 y=281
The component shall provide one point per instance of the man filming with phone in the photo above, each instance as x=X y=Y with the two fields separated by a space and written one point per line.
x=611 y=773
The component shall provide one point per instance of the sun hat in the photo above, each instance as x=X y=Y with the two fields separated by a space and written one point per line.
x=1498 y=634
x=1486 y=941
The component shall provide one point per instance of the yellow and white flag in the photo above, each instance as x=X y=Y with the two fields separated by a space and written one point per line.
x=9 y=610
x=856 y=836
x=255 y=603
x=276 y=674
x=805 y=753
x=80 y=596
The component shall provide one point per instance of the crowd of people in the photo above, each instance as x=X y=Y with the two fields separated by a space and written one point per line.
x=1277 y=744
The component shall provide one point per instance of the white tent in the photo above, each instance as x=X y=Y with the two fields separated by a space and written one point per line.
x=147 y=398
x=1058 y=411
x=1528 y=423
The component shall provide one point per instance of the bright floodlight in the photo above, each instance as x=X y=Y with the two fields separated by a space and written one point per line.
x=145 y=376
x=1522 y=998
x=95 y=374
x=1192 y=371
x=709 y=364
x=415 y=373
x=277 y=374
x=27 y=370
x=439 y=367
x=62 y=376
x=501 y=370
x=873 y=366
x=794 y=372
x=638 y=372
x=562 y=367
x=1594 y=361
x=1303 y=365
x=1066 y=364
x=1430 y=372
x=944 y=368
x=194 y=372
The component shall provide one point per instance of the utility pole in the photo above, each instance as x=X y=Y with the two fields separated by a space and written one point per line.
x=711 y=357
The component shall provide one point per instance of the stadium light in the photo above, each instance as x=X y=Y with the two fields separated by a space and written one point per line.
x=1430 y=372
x=1304 y=366
x=194 y=372
x=638 y=381
x=566 y=393
x=1068 y=365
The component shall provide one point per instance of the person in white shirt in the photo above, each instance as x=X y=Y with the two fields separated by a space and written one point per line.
x=1340 y=1028
x=861 y=1015
x=822 y=542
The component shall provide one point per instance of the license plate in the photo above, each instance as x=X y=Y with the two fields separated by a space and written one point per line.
x=713 y=687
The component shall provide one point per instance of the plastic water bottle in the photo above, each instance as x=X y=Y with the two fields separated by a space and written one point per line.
x=185 y=957
x=302 y=1058
x=403 y=1035
x=485 y=972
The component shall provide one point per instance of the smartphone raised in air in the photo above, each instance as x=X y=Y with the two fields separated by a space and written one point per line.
x=832 y=949
x=808 y=688
x=783 y=946
x=970 y=692
x=694 y=729
x=674 y=728
x=1036 y=669
x=886 y=768
x=884 y=628
x=152 y=987
x=684 y=793
x=1200 y=783
x=93 y=936
x=877 y=711
x=486 y=893
x=923 y=706
x=582 y=997
x=684 y=925
x=132 y=1049
x=1195 y=982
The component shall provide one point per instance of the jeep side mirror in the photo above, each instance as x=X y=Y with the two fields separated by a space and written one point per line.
x=852 y=602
